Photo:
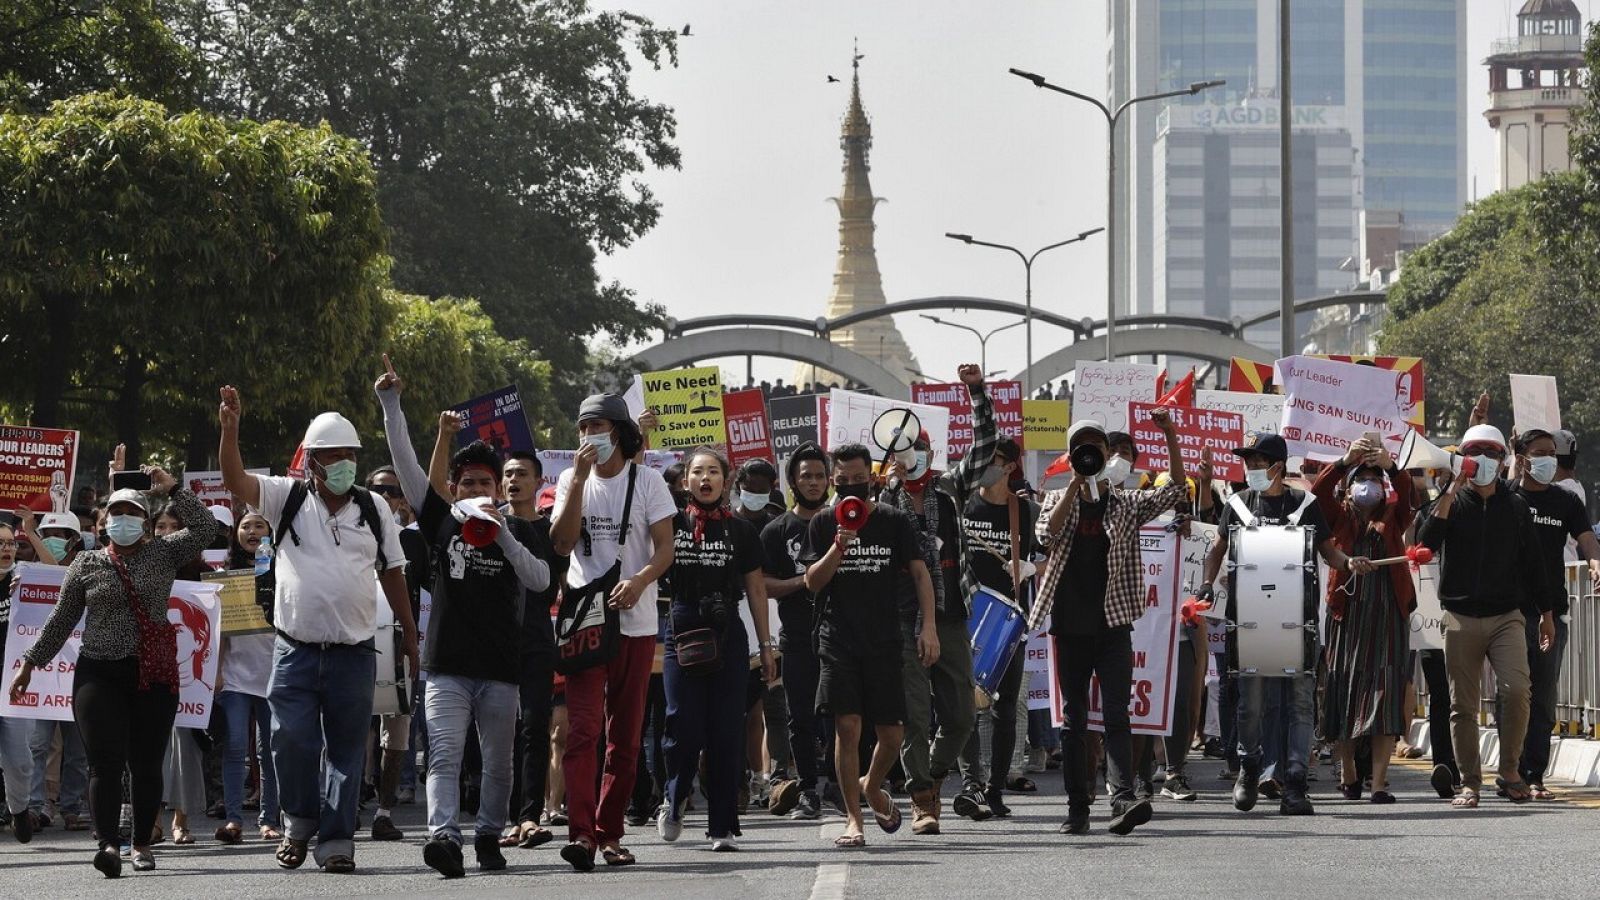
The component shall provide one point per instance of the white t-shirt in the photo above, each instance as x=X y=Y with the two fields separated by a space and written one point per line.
x=247 y=664
x=325 y=582
x=602 y=509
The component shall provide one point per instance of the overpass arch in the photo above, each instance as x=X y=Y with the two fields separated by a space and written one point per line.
x=804 y=348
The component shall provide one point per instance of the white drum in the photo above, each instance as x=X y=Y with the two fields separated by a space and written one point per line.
x=1271 y=577
x=391 y=691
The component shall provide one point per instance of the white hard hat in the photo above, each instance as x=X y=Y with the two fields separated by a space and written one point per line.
x=59 y=521
x=222 y=514
x=1486 y=434
x=331 y=431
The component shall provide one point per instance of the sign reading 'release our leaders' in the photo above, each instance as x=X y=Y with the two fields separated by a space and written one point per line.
x=688 y=407
x=36 y=466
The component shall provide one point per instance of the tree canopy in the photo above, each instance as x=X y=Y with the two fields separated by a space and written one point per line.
x=54 y=49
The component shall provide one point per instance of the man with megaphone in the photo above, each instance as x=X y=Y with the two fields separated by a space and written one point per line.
x=1094 y=587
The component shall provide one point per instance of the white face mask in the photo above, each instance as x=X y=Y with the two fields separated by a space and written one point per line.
x=1117 y=471
x=1542 y=468
x=752 y=501
x=603 y=447
x=1258 y=479
x=920 y=467
x=1488 y=469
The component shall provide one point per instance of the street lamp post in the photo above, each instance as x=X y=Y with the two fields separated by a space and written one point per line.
x=1027 y=269
x=983 y=339
x=1112 y=118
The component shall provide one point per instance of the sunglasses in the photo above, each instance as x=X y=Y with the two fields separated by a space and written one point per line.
x=1491 y=451
x=385 y=490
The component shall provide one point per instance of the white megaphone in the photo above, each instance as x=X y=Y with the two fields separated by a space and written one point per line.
x=1416 y=452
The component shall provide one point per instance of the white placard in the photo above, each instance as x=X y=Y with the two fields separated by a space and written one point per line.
x=1535 y=403
x=1427 y=620
x=34 y=589
x=1328 y=404
x=1036 y=667
x=851 y=414
x=1102 y=391
x=1193 y=551
x=194 y=609
x=208 y=487
x=1262 y=412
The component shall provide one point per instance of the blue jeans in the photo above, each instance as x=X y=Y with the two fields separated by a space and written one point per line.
x=74 y=766
x=453 y=704
x=707 y=712
x=321 y=700
x=237 y=709
x=1274 y=727
x=17 y=760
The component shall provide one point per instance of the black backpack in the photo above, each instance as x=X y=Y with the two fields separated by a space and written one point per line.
x=297 y=498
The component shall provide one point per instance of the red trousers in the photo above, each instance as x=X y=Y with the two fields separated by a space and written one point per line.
x=612 y=695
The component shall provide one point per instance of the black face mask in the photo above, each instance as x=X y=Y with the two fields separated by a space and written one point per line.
x=801 y=501
x=851 y=490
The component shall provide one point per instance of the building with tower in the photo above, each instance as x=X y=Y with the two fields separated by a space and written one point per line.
x=1533 y=87
x=857 y=283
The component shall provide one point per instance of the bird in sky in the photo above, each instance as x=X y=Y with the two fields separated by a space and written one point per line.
x=832 y=80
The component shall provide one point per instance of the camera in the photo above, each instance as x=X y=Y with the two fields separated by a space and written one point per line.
x=714 y=609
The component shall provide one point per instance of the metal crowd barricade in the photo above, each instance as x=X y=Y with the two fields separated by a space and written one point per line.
x=1578 y=689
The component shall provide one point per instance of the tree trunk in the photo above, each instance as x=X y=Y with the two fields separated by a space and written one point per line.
x=61 y=315
x=129 y=414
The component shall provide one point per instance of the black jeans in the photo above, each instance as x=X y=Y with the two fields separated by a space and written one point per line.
x=531 y=768
x=800 y=671
x=1434 y=675
x=1003 y=742
x=1108 y=655
x=651 y=784
x=1228 y=710
x=1177 y=743
x=123 y=728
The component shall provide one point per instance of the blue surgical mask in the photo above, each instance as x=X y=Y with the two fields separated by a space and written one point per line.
x=339 y=476
x=125 y=531
x=1542 y=468
x=753 y=501
x=920 y=467
x=57 y=547
x=1366 y=494
x=1488 y=470
x=1258 y=479
x=603 y=448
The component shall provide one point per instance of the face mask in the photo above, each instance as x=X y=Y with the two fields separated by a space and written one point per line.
x=1116 y=471
x=1543 y=469
x=1366 y=494
x=1488 y=469
x=339 y=476
x=603 y=447
x=801 y=501
x=125 y=530
x=851 y=490
x=6 y=570
x=88 y=538
x=752 y=501
x=57 y=547
x=991 y=476
x=1258 y=479
x=920 y=467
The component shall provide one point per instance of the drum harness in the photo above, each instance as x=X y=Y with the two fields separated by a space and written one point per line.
x=1248 y=517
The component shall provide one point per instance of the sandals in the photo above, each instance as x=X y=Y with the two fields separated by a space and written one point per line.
x=1541 y=793
x=530 y=836
x=889 y=823
x=849 y=842
x=339 y=865
x=1515 y=791
x=271 y=833
x=617 y=856
x=1352 y=791
x=230 y=833
x=180 y=837
x=1022 y=783
x=580 y=855
x=1468 y=799
x=1382 y=797
x=291 y=853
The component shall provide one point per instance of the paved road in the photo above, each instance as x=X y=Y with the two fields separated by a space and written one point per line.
x=1416 y=848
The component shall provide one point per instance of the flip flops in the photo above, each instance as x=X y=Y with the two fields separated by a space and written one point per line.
x=890 y=823
x=1515 y=791
x=849 y=842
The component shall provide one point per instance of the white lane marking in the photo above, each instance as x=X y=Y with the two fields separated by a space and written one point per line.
x=833 y=880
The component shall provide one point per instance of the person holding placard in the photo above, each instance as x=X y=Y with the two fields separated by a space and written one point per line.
x=125 y=686
x=245 y=668
x=1094 y=581
x=15 y=756
x=1369 y=616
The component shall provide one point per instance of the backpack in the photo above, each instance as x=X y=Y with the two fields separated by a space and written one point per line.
x=297 y=498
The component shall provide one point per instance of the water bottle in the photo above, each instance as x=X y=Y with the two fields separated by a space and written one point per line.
x=264 y=556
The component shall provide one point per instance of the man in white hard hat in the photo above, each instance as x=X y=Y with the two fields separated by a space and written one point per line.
x=329 y=537
x=1490 y=566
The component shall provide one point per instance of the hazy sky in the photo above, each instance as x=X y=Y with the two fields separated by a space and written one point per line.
x=958 y=145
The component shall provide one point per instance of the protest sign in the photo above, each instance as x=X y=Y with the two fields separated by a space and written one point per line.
x=240 y=613
x=1005 y=396
x=1535 y=403
x=424 y=613
x=208 y=486
x=1263 y=413
x=749 y=432
x=1427 y=620
x=1155 y=644
x=1044 y=424
x=554 y=462
x=497 y=419
x=35 y=588
x=1192 y=551
x=1248 y=376
x=1409 y=383
x=1036 y=667
x=1102 y=391
x=194 y=610
x=1197 y=429
x=794 y=423
x=688 y=407
x=36 y=466
x=1328 y=404
x=850 y=416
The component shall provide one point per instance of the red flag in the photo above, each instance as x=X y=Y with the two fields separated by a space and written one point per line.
x=1182 y=393
x=297 y=463
x=1061 y=466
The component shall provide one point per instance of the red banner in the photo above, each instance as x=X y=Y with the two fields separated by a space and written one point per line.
x=1248 y=376
x=36 y=466
x=1006 y=396
x=1197 y=429
x=749 y=431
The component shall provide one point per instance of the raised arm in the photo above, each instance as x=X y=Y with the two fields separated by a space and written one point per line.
x=568 y=522
x=413 y=481
x=234 y=477
x=199 y=526
x=439 y=464
x=959 y=480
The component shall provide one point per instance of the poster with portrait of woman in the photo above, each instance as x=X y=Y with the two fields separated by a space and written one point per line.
x=195 y=611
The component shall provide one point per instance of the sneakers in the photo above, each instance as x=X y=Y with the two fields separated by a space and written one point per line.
x=1245 y=792
x=1271 y=790
x=669 y=824
x=783 y=798
x=406 y=796
x=1077 y=822
x=1036 y=761
x=972 y=805
x=444 y=856
x=808 y=807
x=925 y=812
x=993 y=799
x=383 y=830
x=1296 y=803
x=487 y=848
x=1177 y=788
x=22 y=826
x=1130 y=816
x=724 y=844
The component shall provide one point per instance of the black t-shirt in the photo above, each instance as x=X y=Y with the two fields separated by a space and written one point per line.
x=1080 y=601
x=782 y=543
x=475 y=630
x=988 y=525
x=1558 y=514
x=859 y=604
x=538 y=632
x=729 y=550
x=1276 y=511
x=415 y=547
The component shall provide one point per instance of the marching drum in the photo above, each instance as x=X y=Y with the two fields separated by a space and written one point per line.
x=996 y=628
x=391 y=691
x=1272 y=591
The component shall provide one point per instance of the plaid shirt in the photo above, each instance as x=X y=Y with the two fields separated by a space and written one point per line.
x=956 y=485
x=1126 y=511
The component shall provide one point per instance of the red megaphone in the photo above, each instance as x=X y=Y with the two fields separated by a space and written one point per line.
x=851 y=513
x=1419 y=555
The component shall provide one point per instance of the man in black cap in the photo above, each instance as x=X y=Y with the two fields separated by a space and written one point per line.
x=1281 y=707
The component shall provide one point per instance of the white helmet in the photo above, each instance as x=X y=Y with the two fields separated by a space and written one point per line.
x=331 y=431
x=1483 y=434
x=55 y=521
